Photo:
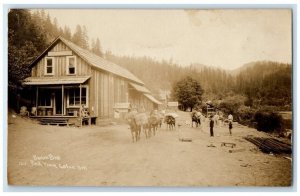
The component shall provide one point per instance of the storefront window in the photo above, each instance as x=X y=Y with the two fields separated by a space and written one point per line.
x=44 y=98
x=74 y=97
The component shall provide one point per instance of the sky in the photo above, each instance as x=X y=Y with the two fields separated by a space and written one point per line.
x=215 y=37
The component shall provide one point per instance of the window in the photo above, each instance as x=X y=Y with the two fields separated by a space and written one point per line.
x=49 y=66
x=74 y=96
x=71 y=65
x=44 y=98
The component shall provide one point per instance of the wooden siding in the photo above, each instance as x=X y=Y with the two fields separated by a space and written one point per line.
x=140 y=101
x=111 y=99
x=120 y=90
x=60 y=64
x=105 y=89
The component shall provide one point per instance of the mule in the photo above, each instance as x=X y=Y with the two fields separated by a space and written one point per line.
x=135 y=132
x=196 y=117
x=170 y=121
x=155 y=121
x=142 y=122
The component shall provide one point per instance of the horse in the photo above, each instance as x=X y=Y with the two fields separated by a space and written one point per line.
x=155 y=121
x=196 y=117
x=135 y=132
x=153 y=125
x=142 y=123
x=170 y=121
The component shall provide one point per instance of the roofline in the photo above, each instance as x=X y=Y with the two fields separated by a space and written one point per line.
x=143 y=85
x=44 y=52
x=25 y=82
x=81 y=56
x=156 y=101
x=60 y=38
x=94 y=67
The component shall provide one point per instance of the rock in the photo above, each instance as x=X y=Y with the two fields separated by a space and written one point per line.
x=185 y=139
x=245 y=165
x=211 y=145
x=236 y=150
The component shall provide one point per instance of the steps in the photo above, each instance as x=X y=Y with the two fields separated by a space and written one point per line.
x=55 y=121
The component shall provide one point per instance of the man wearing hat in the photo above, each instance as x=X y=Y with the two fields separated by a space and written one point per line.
x=211 y=124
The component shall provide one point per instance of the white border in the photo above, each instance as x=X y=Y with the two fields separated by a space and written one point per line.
x=112 y=3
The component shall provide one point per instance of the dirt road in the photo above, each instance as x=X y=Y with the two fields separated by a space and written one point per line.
x=106 y=156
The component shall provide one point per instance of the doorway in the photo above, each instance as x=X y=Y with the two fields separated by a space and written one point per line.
x=58 y=103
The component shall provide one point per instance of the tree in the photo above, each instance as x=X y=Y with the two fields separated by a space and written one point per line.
x=188 y=92
x=265 y=83
x=25 y=42
x=77 y=36
x=96 y=47
x=67 y=33
x=85 y=38
x=49 y=26
x=80 y=37
x=55 y=27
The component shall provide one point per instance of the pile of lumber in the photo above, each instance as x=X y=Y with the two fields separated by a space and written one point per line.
x=270 y=145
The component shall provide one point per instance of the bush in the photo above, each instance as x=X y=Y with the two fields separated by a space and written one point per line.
x=245 y=115
x=230 y=105
x=269 y=108
x=248 y=102
x=268 y=121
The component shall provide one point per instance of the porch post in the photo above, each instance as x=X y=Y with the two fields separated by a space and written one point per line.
x=80 y=100
x=62 y=99
x=36 y=100
x=80 y=109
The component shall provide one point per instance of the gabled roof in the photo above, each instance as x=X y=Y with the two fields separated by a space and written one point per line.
x=94 y=60
x=145 y=92
x=151 y=98
x=139 y=88
x=55 y=80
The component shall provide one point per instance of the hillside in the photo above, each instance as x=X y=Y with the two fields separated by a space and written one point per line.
x=268 y=82
x=240 y=69
x=162 y=75
x=263 y=82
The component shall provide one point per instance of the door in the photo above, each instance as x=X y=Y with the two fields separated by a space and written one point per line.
x=58 y=103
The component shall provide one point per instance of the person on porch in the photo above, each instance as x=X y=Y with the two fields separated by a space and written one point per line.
x=84 y=111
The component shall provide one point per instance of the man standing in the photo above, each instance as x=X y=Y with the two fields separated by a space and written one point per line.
x=230 y=127
x=230 y=121
x=211 y=124
x=230 y=117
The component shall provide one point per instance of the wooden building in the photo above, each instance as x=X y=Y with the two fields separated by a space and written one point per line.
x=66 y=78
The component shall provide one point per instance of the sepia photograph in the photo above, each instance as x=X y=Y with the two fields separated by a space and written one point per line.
x=150 y=97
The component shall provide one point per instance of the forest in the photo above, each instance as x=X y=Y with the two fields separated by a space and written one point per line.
x=262 y=83
x=256 y=85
